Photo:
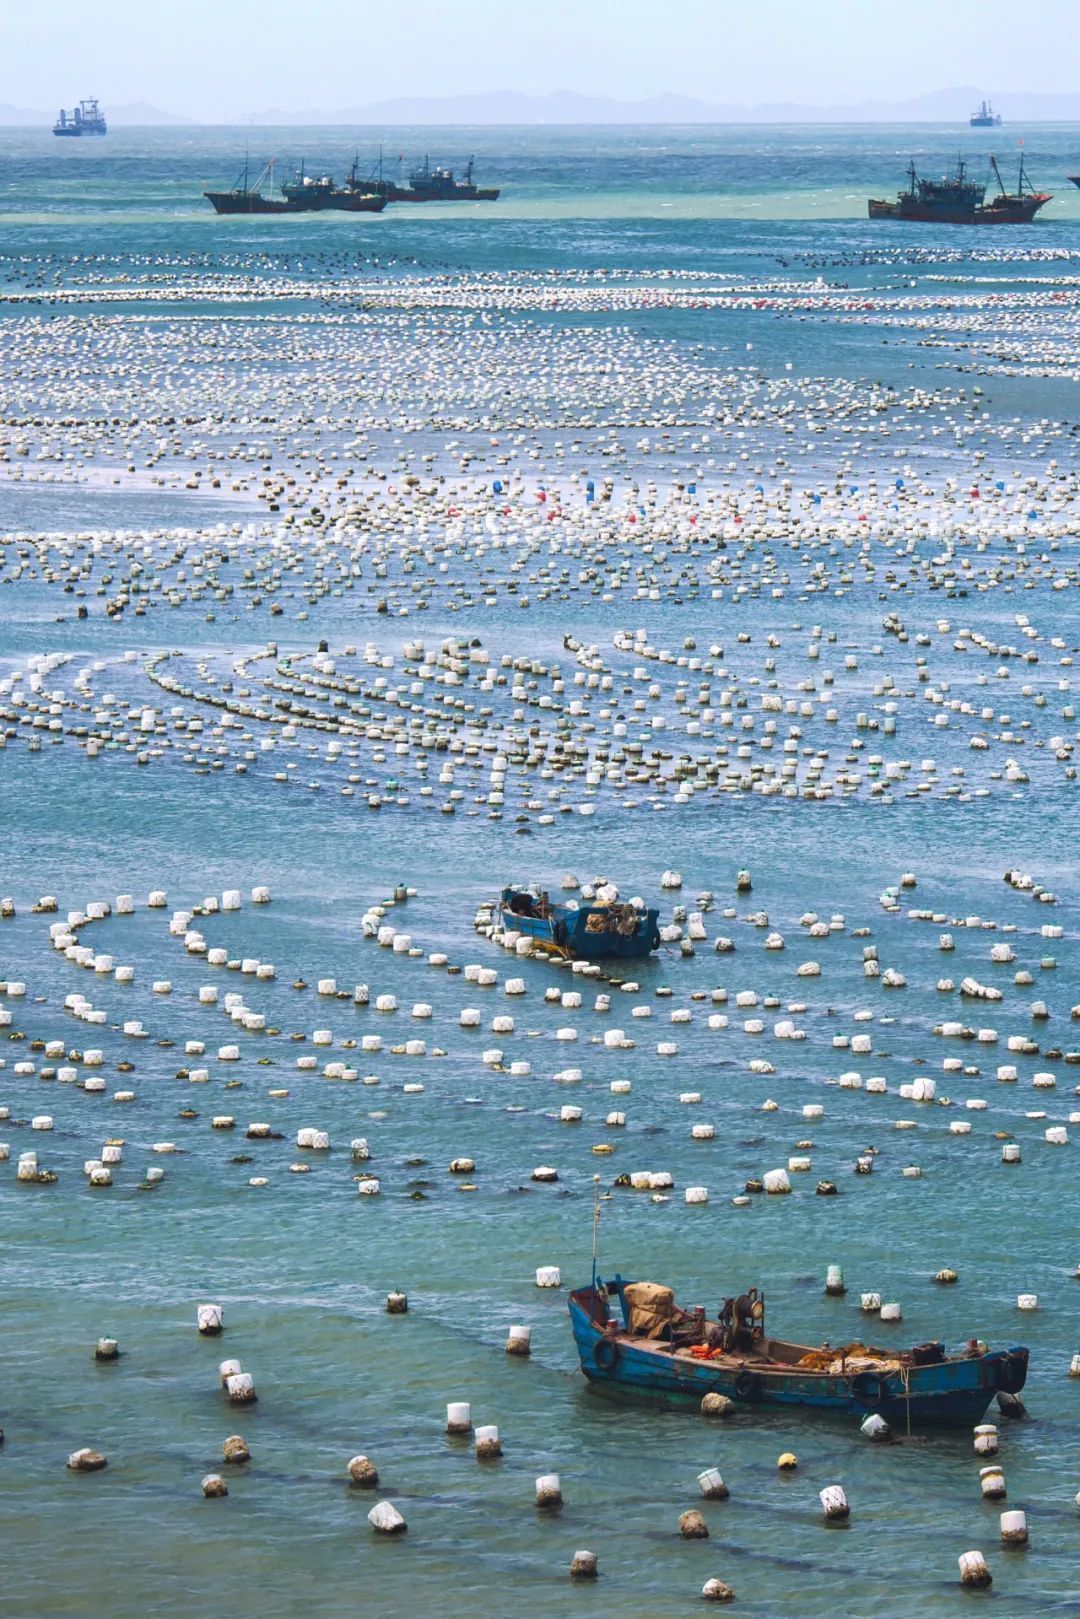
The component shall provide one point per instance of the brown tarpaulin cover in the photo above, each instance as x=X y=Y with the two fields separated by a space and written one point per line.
x=651 y=1308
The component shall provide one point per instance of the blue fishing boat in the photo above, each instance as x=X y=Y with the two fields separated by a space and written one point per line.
x=633 y=1339
x=586 y=931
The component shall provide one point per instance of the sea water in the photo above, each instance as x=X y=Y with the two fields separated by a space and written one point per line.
x=302 y=1264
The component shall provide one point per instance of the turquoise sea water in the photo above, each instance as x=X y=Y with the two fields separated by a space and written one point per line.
x=413 y=334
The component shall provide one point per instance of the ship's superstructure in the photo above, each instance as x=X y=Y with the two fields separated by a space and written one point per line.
x=85 y=119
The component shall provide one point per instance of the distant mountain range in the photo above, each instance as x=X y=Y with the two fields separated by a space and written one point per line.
x=568 y=107
x=132 y=112
x=950 y=106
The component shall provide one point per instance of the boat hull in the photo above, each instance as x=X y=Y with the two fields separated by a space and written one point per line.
x=348 y=202
x=950 y=1393
x=1020 y=211
x=249 y=202
x=460 y=193
x=583 y=934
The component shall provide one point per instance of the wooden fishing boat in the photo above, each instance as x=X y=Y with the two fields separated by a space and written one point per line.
x=632 y=1339
x=585 y=931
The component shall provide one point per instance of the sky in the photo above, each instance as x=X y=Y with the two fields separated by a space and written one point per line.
x=222 y=59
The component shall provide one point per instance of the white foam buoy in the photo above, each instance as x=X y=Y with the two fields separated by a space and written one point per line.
x=549 y=1490
x=488 y=1443
x=712 y=1485
x=210 y=1319
x=459 y=1417
x=385 y=1519
x=86 y=1460
x=973 y=1571
x=986 y=1439
x=1014 y=1528
x=834 y=1502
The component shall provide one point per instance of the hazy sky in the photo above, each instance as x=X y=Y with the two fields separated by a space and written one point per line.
x=224 y=58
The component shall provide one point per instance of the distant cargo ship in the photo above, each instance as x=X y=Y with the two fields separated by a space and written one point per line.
x=426 y=184
x=303 y=195
x=957 y=200
x=85 y=119
x=984 y=117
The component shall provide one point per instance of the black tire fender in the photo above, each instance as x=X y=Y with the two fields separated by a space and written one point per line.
x=869 y=1389
x=605 y=1354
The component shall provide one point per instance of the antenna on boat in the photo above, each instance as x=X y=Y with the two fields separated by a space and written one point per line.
x=595 y=1226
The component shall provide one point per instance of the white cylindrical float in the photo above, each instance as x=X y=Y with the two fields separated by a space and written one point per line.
x=210 y=1319
x=986 y=1439
x=834 y=1502
x=488 y=1443
x=834 y=1281
x=974 y=1572
x=241 y=1389
x=459 y=1417
x=1014 y=1529
x=549 y=1490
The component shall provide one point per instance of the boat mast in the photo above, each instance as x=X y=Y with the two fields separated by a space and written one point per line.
x=595 y=1225
x=997 y=174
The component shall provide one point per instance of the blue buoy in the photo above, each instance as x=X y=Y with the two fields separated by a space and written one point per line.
x=497 y=486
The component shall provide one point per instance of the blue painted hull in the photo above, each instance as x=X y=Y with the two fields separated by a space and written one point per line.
x=951 y=1392
x=585 y=933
